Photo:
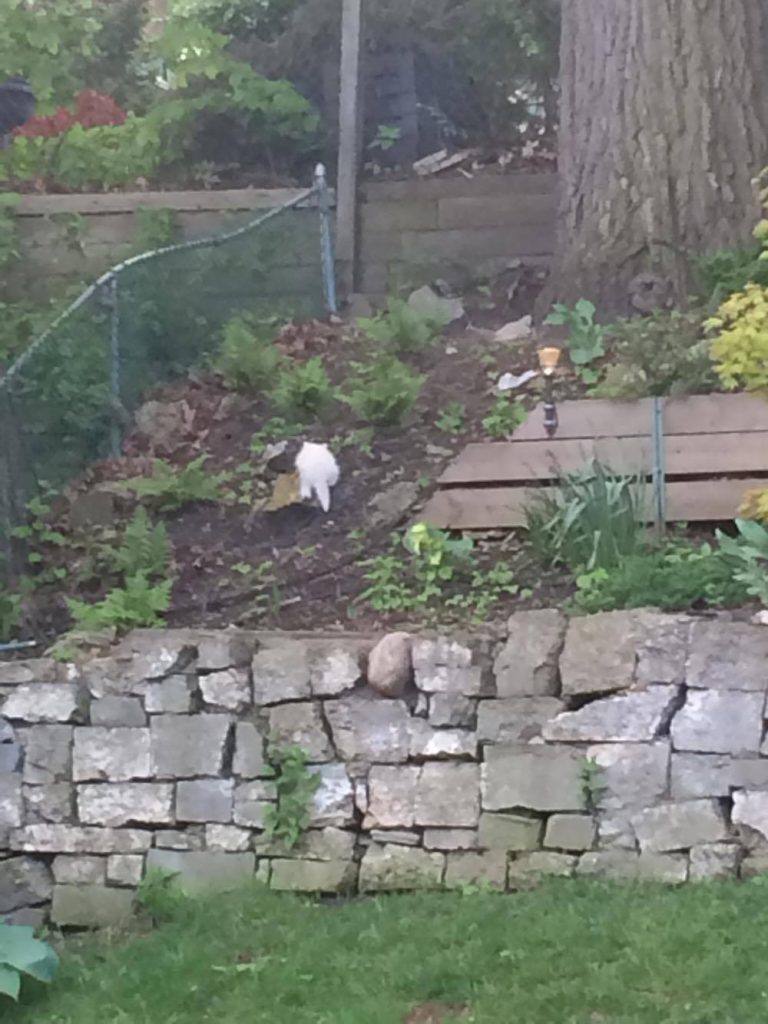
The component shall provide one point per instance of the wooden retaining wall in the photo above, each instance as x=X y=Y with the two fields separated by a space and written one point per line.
x=411 y=231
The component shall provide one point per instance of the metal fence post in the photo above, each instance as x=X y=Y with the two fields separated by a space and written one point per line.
x=326 y=239
x=659 y=467
x=115 y=433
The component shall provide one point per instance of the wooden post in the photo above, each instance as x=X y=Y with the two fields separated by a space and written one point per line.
x=350 y=123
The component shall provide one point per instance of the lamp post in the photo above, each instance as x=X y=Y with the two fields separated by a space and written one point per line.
x=549 y=357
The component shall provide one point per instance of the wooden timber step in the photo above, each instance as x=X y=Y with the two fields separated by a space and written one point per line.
x=716 y=449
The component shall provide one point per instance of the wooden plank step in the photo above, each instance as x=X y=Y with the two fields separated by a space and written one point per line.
x=487 y=508
x=694 y=414
x=705 y=454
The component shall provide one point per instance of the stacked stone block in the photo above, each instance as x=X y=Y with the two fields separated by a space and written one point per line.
x=624 y=745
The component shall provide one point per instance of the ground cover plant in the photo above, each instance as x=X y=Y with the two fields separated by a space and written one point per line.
x=575 y=952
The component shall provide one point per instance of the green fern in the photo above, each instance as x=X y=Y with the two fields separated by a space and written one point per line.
x=145 y=549
x=402 y=328
x=248 y=359
x=168 y=489
x=138 y=603
x=304 y=391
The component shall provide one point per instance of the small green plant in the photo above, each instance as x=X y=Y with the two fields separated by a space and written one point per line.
x=10 y=614
x=22 y=954
x=156 y=227
x=662 y=354
x=387 y=136
x=486 y=589
x=437 y=559
x=438 y=563
x=384 y=392
x=388 y=588
x=159 y=896
x=747 y=557
x=591 y=520
x=9 y=232
x=169 y=489
x=674 y=578
x=138 y=603
x=303 y=391
x=452 y=420
x=274 y=430
x=592 y=786
x=403 y=328
x=74 y=228
x=505 y=417
x=289 y=817
x=586 y=339
x=248 y=359
x=144 y=548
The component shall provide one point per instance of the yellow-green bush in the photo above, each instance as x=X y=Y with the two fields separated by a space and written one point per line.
x=754 y=505
x=740 y=349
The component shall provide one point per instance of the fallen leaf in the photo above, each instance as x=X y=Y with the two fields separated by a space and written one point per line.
x=284 y=493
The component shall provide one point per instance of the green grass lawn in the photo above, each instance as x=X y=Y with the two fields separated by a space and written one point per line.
x=566 y=953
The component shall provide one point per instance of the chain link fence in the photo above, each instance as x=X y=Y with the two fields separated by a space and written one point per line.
x=66 y=401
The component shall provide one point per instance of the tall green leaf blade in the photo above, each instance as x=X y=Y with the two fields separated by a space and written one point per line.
x=10 y=982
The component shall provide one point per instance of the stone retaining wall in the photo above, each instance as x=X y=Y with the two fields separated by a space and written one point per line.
x=625 y=745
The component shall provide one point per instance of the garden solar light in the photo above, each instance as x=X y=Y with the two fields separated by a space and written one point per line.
x=549 y=357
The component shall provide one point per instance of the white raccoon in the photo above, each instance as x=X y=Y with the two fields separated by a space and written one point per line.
x=318 y=472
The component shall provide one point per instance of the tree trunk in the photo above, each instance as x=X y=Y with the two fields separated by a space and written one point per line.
x=663 y=126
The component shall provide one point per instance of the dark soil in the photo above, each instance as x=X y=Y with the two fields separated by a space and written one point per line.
x=313 y=563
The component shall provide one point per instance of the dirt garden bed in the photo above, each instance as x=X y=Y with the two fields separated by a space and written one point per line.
x=237 y=560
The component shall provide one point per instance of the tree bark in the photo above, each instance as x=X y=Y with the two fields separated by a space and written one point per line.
x=663 y=127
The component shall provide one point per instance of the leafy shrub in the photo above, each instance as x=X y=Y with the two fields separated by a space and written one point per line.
x=747 y=556
x=755 y=505
x=138 y=603
x=289 y=817
x=590 y=520
x=585 y=338
x=662 y=354
x=505 y=417
x=168 y=489
x=402 y=328
x=144 y=550
x=452 y=419
x=91 y=111
x=248 y=359
x=21 y=953
x=303 y=391
x=740 y=349
x=674 y=578
x=384 y=392
x=720 y=274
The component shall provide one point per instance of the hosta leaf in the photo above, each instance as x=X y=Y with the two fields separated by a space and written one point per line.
x=10 y=982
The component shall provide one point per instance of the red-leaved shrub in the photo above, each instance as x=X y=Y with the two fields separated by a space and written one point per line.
x=92 y=109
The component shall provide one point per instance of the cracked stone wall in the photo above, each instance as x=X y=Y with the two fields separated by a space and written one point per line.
x=152 y=754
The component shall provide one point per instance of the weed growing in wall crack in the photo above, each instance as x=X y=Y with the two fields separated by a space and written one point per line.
x=592 y=787
x=288 y=819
